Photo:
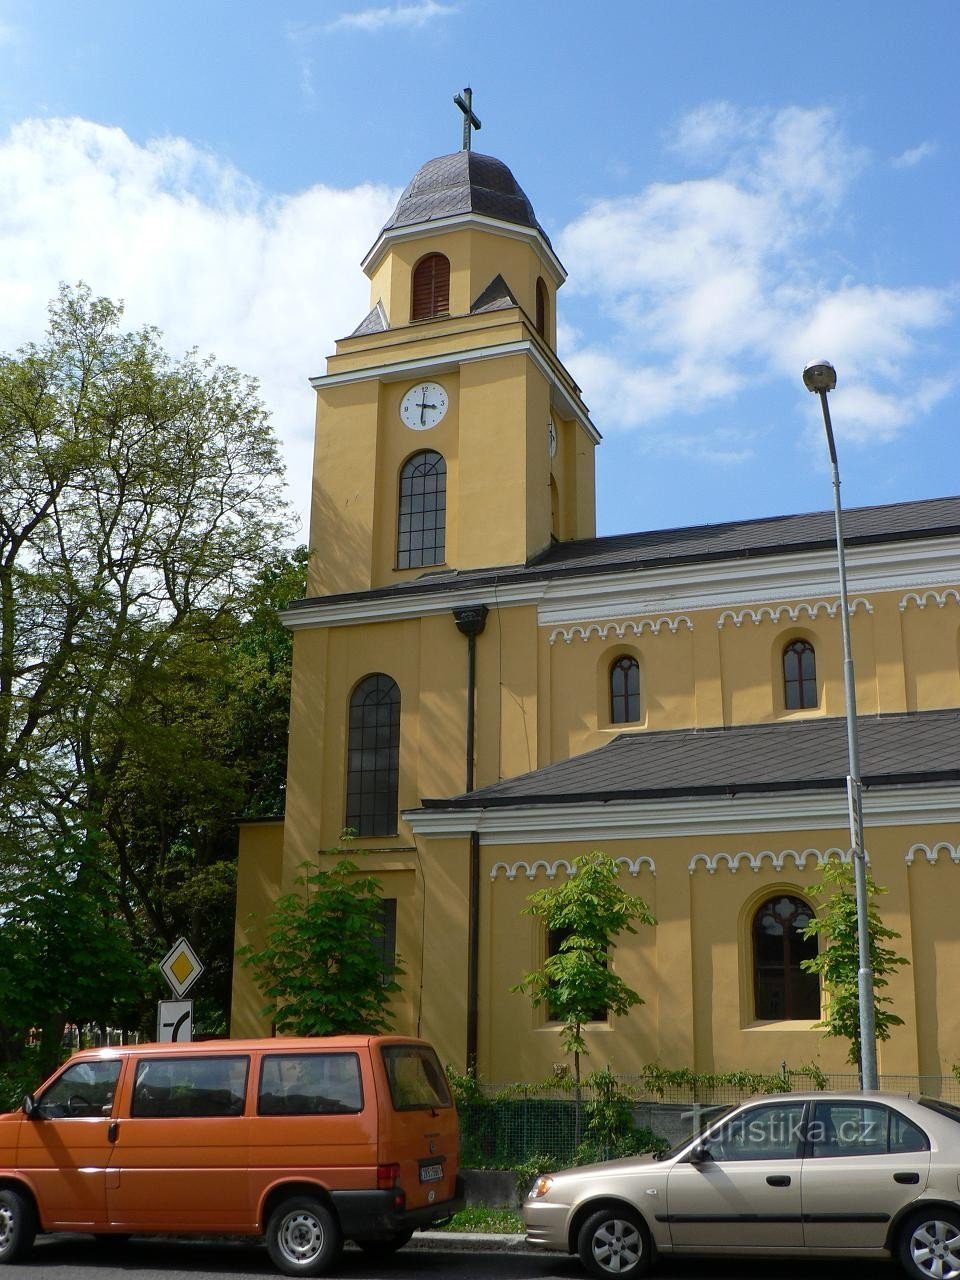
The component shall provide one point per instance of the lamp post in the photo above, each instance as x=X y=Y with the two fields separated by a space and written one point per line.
x=821 y=377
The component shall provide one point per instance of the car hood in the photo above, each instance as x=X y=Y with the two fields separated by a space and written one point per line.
x=629 y=1164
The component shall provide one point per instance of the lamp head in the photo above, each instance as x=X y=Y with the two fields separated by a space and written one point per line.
x=820 y=375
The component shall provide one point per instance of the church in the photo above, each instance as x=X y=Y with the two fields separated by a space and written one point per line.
x=483 y=690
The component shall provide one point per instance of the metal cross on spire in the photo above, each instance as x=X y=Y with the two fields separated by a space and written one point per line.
x=470 y=121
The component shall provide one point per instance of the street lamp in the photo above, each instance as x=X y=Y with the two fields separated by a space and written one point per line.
x=821 y=377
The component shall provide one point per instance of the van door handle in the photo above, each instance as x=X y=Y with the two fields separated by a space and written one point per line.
x=113 y=1131
x=906 y=1177
x=778 y=1180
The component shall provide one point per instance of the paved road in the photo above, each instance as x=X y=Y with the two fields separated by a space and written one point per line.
x=80 y=1258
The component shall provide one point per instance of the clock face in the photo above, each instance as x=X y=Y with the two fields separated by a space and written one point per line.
x=552 y=436
x=423 y=406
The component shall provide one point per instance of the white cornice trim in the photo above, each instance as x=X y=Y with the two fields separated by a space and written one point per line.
x=463 y=222
x=693 y=816
x=443 y=362
x=787 y=579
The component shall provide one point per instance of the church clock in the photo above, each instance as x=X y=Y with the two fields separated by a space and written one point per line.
x=423 y=406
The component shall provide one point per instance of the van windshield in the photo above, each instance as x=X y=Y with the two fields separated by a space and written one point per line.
x=415 y=1077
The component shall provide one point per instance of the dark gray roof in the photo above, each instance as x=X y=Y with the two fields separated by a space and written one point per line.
x=464 y=182
x=797 y=755
x=495 y=297
x=737 y=539
x=373 y=322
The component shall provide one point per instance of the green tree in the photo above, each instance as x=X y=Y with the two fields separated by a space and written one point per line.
x=588 y=911
x=141 y=509
x=322 y=969
x=838 y=961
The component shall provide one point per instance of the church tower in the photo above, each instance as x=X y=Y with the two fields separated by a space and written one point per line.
x=449 y=434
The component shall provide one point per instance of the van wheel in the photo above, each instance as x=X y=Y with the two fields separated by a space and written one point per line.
x=18 y=1225
x=303 y=1237
x=380 y=1250
x=615 y=1242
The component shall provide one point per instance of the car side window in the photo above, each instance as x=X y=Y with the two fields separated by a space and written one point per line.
x=83 y=1089
x=195 y=1086
x=309 y=1084
x=770 y=1132
x=851 y=1128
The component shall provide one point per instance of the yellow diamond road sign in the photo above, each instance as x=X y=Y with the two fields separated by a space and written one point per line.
x=180 y=967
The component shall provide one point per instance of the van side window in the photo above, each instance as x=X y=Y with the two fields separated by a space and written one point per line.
x=194 y=1086
x=415 y=1077
x=85 y=1089
x=309 y=1084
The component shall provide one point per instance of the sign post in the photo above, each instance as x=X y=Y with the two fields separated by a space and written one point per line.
x=181 y=968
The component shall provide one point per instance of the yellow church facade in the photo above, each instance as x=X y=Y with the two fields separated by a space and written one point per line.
x=483 y=690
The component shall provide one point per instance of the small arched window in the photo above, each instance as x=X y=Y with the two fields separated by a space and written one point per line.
x=799 y=676
x=373 y=757
x=542 y=303
x=624 y=690
x=782 y=989
x=430 y=294
x=422 y=511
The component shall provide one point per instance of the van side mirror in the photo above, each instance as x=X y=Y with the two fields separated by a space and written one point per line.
x=29 y=1105
x=700 y=1154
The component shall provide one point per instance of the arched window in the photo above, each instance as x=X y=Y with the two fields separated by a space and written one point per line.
x=799 y=676
x=782 y=989
x=422 y=511
x=430 y=295
x=624 y=690
x=541 y=308
x=373 y=757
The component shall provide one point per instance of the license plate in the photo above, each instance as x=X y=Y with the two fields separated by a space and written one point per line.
x=431 y=1172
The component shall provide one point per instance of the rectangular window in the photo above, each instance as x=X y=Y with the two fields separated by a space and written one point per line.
x=310 y=1084
x=388 y=939
x=201 y=1086
x=415 y=1077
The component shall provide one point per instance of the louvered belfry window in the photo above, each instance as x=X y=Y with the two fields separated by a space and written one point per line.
x=373 y=757
x=431 y=288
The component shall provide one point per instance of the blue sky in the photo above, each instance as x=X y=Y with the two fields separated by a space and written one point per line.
x=735 y=188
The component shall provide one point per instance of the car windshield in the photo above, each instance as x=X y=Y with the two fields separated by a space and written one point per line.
x=707 y=1118
x=948 y=1109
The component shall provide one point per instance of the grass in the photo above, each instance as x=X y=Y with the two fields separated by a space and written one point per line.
x=498 y=1221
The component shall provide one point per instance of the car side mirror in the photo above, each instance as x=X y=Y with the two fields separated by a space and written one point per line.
x=700 y=1154
x=29 y=1105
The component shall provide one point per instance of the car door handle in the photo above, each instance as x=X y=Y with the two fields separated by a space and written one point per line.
x=113 y=1131
x=778 y=1180
x=906 y=1177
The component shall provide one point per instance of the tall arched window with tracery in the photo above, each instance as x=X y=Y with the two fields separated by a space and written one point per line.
x=799 y=676
x=430 y=288
x=422 y=511
x=782 y=988
x=624 y=690
x=373 y=756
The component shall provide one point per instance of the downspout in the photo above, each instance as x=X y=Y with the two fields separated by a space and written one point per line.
x=470 y=622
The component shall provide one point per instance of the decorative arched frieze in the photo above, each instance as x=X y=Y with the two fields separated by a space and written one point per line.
x=921 y=600
x=550 y=869
x=585 y=630
x=792 y=611
x=932 y=853
x=756 y=861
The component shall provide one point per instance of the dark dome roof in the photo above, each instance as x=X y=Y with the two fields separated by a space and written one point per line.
x=465 y=182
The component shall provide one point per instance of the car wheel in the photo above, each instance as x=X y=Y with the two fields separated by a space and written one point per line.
x=615 y=1242
x=380 y=1250
x=18 y=1225
x=303 y=1237
x=929 y=1244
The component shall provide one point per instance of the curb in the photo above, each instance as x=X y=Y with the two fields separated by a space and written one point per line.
x=467 y=1241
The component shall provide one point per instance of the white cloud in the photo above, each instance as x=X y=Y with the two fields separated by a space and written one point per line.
x=192 y=246
x=410 y=16
x=914 y=155
x=705 y=285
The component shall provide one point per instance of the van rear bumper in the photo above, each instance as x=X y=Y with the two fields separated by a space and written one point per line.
x=375 y=1215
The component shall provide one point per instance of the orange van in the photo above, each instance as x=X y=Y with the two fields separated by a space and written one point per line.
x=307 y=1142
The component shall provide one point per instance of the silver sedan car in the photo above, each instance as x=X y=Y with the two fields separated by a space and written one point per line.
x=864 y=1175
